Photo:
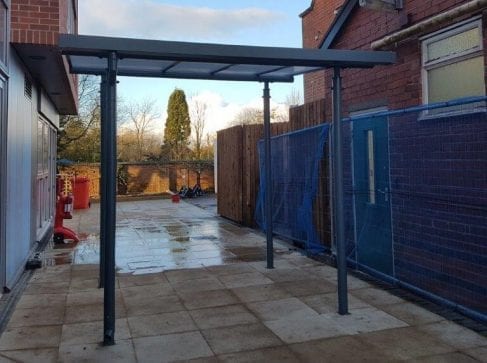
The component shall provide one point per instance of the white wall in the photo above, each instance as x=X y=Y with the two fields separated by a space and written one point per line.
x=21 y=145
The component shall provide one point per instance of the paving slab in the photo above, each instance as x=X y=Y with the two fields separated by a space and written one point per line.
x=377 y=297
x=222 y=316
x=172 y=347
x=42 y=300
x=122 y=352
x=31 y=337
x=49 y=355
x=341 y=349
x=260 y=293
x=152 y=305
x=207 y=299
x=167 y=323
x=308 y=287
x=412 y=313
x=455 y=335
x=364 y=320
x=328 y=303
x=91 y=332
x=36 y=317
x=240 y=338
x=267 y=355
x=292 y=308
x=406 y=343
x=304 y=329
x=455 y=357
x=245 y=279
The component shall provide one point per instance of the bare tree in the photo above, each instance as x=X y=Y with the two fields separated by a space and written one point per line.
x=76 y=127
x=294 y=98
x=198 y=109
x=248 y=116
x=141 y=116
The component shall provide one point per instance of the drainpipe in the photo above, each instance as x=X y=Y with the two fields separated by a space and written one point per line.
x=424 y=25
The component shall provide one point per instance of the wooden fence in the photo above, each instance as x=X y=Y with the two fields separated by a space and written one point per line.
x=149 y=178
x=238 y=168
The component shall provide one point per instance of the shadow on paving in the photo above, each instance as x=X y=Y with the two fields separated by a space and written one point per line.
x=224 y=309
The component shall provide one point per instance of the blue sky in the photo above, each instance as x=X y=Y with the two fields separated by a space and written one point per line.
x=250 y=22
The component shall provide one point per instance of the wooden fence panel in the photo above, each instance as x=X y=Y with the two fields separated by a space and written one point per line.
x=238 y=167
x=230 y=153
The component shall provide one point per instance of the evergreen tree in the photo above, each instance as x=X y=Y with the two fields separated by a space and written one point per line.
x=178 y=125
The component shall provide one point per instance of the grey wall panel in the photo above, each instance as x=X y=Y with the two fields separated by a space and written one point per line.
x=20 y=172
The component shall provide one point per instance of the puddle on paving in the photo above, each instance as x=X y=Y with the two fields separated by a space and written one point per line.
x=180 y=239
x=178 y=250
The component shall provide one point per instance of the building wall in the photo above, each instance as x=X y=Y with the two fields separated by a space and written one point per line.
x=316 y=20
x=437 y=165
x=395 y=86
x=20 y=172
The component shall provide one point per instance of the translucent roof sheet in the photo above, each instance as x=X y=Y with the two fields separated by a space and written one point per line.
x=165 y=59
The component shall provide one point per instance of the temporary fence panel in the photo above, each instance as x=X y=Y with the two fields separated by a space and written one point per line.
x=296 y=161
x=418 y=189
x=415 y=183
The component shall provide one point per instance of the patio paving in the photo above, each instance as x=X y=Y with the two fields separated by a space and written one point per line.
x=223 y=308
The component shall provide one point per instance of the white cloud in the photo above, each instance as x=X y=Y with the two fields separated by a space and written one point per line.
x=155 y=20
x=220 y=114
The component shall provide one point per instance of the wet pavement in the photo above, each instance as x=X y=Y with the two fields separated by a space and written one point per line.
x=228 y=308
x=157 y=235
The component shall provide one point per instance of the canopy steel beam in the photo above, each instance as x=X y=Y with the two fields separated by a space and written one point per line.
x=83 y=45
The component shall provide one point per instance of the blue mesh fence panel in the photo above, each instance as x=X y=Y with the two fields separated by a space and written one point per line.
x=415 y=184
x=434 y=238
x=295 y=164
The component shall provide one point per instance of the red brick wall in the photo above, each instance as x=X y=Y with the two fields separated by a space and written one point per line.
x=315 y=25
x=396 y=86
x=38 y=21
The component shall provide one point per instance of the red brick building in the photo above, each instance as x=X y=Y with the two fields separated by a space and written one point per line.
x=35 y=90
x=455 y=29
x=415 y=180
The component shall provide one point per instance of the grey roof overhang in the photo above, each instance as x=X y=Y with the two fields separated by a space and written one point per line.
x=169 y=59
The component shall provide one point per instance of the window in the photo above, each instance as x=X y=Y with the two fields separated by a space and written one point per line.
x=45 y=181
x=453 y=63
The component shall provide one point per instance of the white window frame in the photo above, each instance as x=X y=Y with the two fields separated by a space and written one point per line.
x=454 y=58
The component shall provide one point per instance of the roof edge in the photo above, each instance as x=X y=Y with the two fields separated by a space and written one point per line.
x=337 y=25
x=308 y=10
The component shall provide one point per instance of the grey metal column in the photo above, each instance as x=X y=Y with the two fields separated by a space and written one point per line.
x=110 y=172
x=103 y=181
x=268 y=175
x=339 y=209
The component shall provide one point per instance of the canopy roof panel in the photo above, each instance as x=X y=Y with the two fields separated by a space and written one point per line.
x=168 y=59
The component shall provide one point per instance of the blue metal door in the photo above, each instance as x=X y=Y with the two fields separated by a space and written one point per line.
x=372 y=194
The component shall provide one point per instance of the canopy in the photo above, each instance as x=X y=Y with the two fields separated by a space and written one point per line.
x=112 y=57
x=167 y=59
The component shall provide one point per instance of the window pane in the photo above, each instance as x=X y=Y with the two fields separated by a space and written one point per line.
x=40 y=126
x=455 y=44
x=462 y=79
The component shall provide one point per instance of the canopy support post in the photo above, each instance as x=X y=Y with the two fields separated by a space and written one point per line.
x=339 y=209
x=103 y=181
x=268 y=176
x=109 y=169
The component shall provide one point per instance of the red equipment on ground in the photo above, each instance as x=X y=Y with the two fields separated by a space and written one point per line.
x=64 y=207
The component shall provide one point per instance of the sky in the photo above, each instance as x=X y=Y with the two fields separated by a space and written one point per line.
x=245 y=22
